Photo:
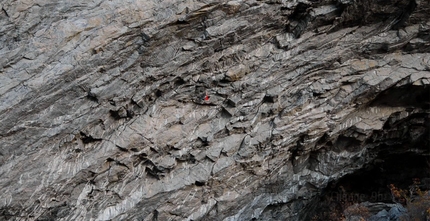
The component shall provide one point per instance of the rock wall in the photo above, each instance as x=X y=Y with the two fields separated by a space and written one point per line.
x=202 y=110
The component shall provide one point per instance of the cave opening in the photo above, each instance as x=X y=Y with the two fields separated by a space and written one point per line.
x=372 y=182
x=399 y=157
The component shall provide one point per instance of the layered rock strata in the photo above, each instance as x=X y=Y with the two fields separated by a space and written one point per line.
x=202 y=110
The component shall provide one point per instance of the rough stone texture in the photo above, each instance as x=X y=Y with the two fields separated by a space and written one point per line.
x=104 y=117
x=375 y=212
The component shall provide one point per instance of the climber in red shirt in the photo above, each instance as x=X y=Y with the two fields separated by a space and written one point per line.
x=207 y=97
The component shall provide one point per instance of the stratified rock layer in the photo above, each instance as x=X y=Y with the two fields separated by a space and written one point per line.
x=202 y=110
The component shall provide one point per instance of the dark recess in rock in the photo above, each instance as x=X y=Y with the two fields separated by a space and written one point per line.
x=86 y=139
x=371 y=184
x=404 y=96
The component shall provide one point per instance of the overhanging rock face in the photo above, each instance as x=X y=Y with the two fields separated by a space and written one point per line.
x=202 y=110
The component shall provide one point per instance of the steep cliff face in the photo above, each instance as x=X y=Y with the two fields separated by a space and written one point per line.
x=203 y=110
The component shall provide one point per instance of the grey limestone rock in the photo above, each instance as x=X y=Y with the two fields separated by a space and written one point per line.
x=202 y=110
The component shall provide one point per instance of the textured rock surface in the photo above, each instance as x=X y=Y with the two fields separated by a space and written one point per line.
x=375 y=212
x=104 y=117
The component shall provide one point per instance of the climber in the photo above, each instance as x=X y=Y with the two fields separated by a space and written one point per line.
x=207 y=96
